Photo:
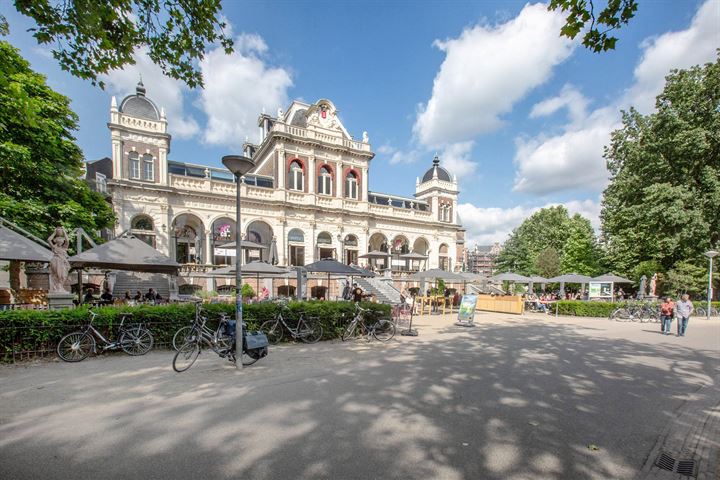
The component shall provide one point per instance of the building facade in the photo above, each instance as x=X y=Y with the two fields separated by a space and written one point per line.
x=481 y=258
x=307 y=198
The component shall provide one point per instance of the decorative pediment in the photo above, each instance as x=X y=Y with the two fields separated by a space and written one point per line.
x=323 y=114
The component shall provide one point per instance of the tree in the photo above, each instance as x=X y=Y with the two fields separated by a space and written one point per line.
x=615 y=14
x=544 y=228
x=580 y=252
x=547 y=263
x=689 y=277
x=93 y=37
x=40 y=164
x=661 y=202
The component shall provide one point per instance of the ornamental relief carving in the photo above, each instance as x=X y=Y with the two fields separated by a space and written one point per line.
x=134 y=137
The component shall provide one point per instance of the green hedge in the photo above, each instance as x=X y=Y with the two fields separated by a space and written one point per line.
x=27 y=332
x=586 y=308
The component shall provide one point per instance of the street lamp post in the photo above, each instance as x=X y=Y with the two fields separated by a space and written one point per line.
x=239 y=166
x=710 y=254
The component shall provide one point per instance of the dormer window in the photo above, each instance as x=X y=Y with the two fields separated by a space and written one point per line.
x=325 y=181
x=296 y=179
x=351 y=186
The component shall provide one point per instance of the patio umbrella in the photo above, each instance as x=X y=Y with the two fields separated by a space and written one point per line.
x=374 y=254
x=413 y=256
x=570 y=278
x=258 y=268
x=610 y=277
x=245 y=245
x=125 y=253
x=434 y=273
x=472 y=277
x=536 y=279
x=273 y=252
x=330 y=266
x=14 y=246
x=511 y=277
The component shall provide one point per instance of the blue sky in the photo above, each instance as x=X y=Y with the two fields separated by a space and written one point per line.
x=519 y=114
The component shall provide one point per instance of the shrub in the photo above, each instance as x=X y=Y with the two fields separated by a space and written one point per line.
x=585 y=308
x=30 y=332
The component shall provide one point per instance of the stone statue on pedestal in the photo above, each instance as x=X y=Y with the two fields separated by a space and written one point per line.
x=643 y=283
x=653 y=284
x=59 y=266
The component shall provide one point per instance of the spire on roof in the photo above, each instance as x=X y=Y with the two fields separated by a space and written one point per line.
x=140 y=89
x=436 y=160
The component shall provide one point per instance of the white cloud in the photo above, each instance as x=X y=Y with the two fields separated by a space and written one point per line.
x=486 y=70
x=164 y=91
x=573 y=159
x=386 y=150
x=237 y=89
x=407 y=156
x=456 y=159
x=493 y=224
x=570 y=98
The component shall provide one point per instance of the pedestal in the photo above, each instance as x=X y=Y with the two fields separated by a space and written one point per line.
x=57 y=301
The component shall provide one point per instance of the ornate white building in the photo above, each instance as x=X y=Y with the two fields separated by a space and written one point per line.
x=306 y=199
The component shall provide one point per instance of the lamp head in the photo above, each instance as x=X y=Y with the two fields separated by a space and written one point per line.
x=711 y=253
x=238 y=164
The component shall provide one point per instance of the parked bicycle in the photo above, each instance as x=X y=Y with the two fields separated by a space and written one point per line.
x=184 y=333
x=220 y=341
x=381 y=329
x=636 y=312
x=307 y=330
x=133 y=339
x=702 y=312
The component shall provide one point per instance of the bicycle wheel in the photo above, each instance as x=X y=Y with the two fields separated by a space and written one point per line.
x=186 y=356
x=621 y=315
x=383 y=330
x=349 y=331
x=181 y=337
x=701 y=312
x=75 y=346
x=136 y=341
x=311 y=332
x=273 y=330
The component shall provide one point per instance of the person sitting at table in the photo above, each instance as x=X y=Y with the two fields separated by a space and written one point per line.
x=88 y=298
x=106 y=297
x=357 y=293
x=265 y=294
x=151 y=296
x=138 y=296
x=127 y=296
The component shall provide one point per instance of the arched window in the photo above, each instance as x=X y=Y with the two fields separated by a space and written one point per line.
x=296 y=179
x=148 y=167
x=351 y=249
x=351 y=186
x=296 y=247
x=324 y=181
x=134 y=159
x=143 y=229
x=444 y=258
x=324 y=244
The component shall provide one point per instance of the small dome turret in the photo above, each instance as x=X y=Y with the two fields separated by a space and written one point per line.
x=437 y=170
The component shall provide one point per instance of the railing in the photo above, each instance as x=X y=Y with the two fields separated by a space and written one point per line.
x=320 y=136
x=140 y=123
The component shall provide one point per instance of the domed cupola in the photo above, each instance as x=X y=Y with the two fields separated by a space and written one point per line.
x=139 y=106
x=436 y=170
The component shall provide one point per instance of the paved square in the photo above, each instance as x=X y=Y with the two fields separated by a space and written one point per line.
x=513 y=398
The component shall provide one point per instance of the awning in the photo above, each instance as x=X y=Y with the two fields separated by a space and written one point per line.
x=14 y=246
x=511 y=277
x=126 y=253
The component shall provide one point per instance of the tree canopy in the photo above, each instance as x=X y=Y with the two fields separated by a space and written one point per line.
x=601 y=22
x=661 y=203
x=89 y=37
x=549 y=242
x=40 y=164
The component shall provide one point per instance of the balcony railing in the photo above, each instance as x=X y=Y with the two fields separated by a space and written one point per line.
x=319 y=136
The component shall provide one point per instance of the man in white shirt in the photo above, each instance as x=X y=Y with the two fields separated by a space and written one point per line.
x=683 y=309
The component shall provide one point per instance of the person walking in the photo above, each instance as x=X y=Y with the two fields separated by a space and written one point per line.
x=667 y=310
x=683 y=310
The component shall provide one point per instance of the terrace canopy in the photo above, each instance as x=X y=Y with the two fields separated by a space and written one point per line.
x=257 y=268
x=330 y=266
x=126 y=253
x=610 y=277
x=511 y=277
x=14 y=246
x=570 y=278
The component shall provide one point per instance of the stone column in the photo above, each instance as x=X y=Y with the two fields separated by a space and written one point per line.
x=311 y=174
x=339 y=180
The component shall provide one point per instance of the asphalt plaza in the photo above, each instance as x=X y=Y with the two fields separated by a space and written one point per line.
x=516 y=397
